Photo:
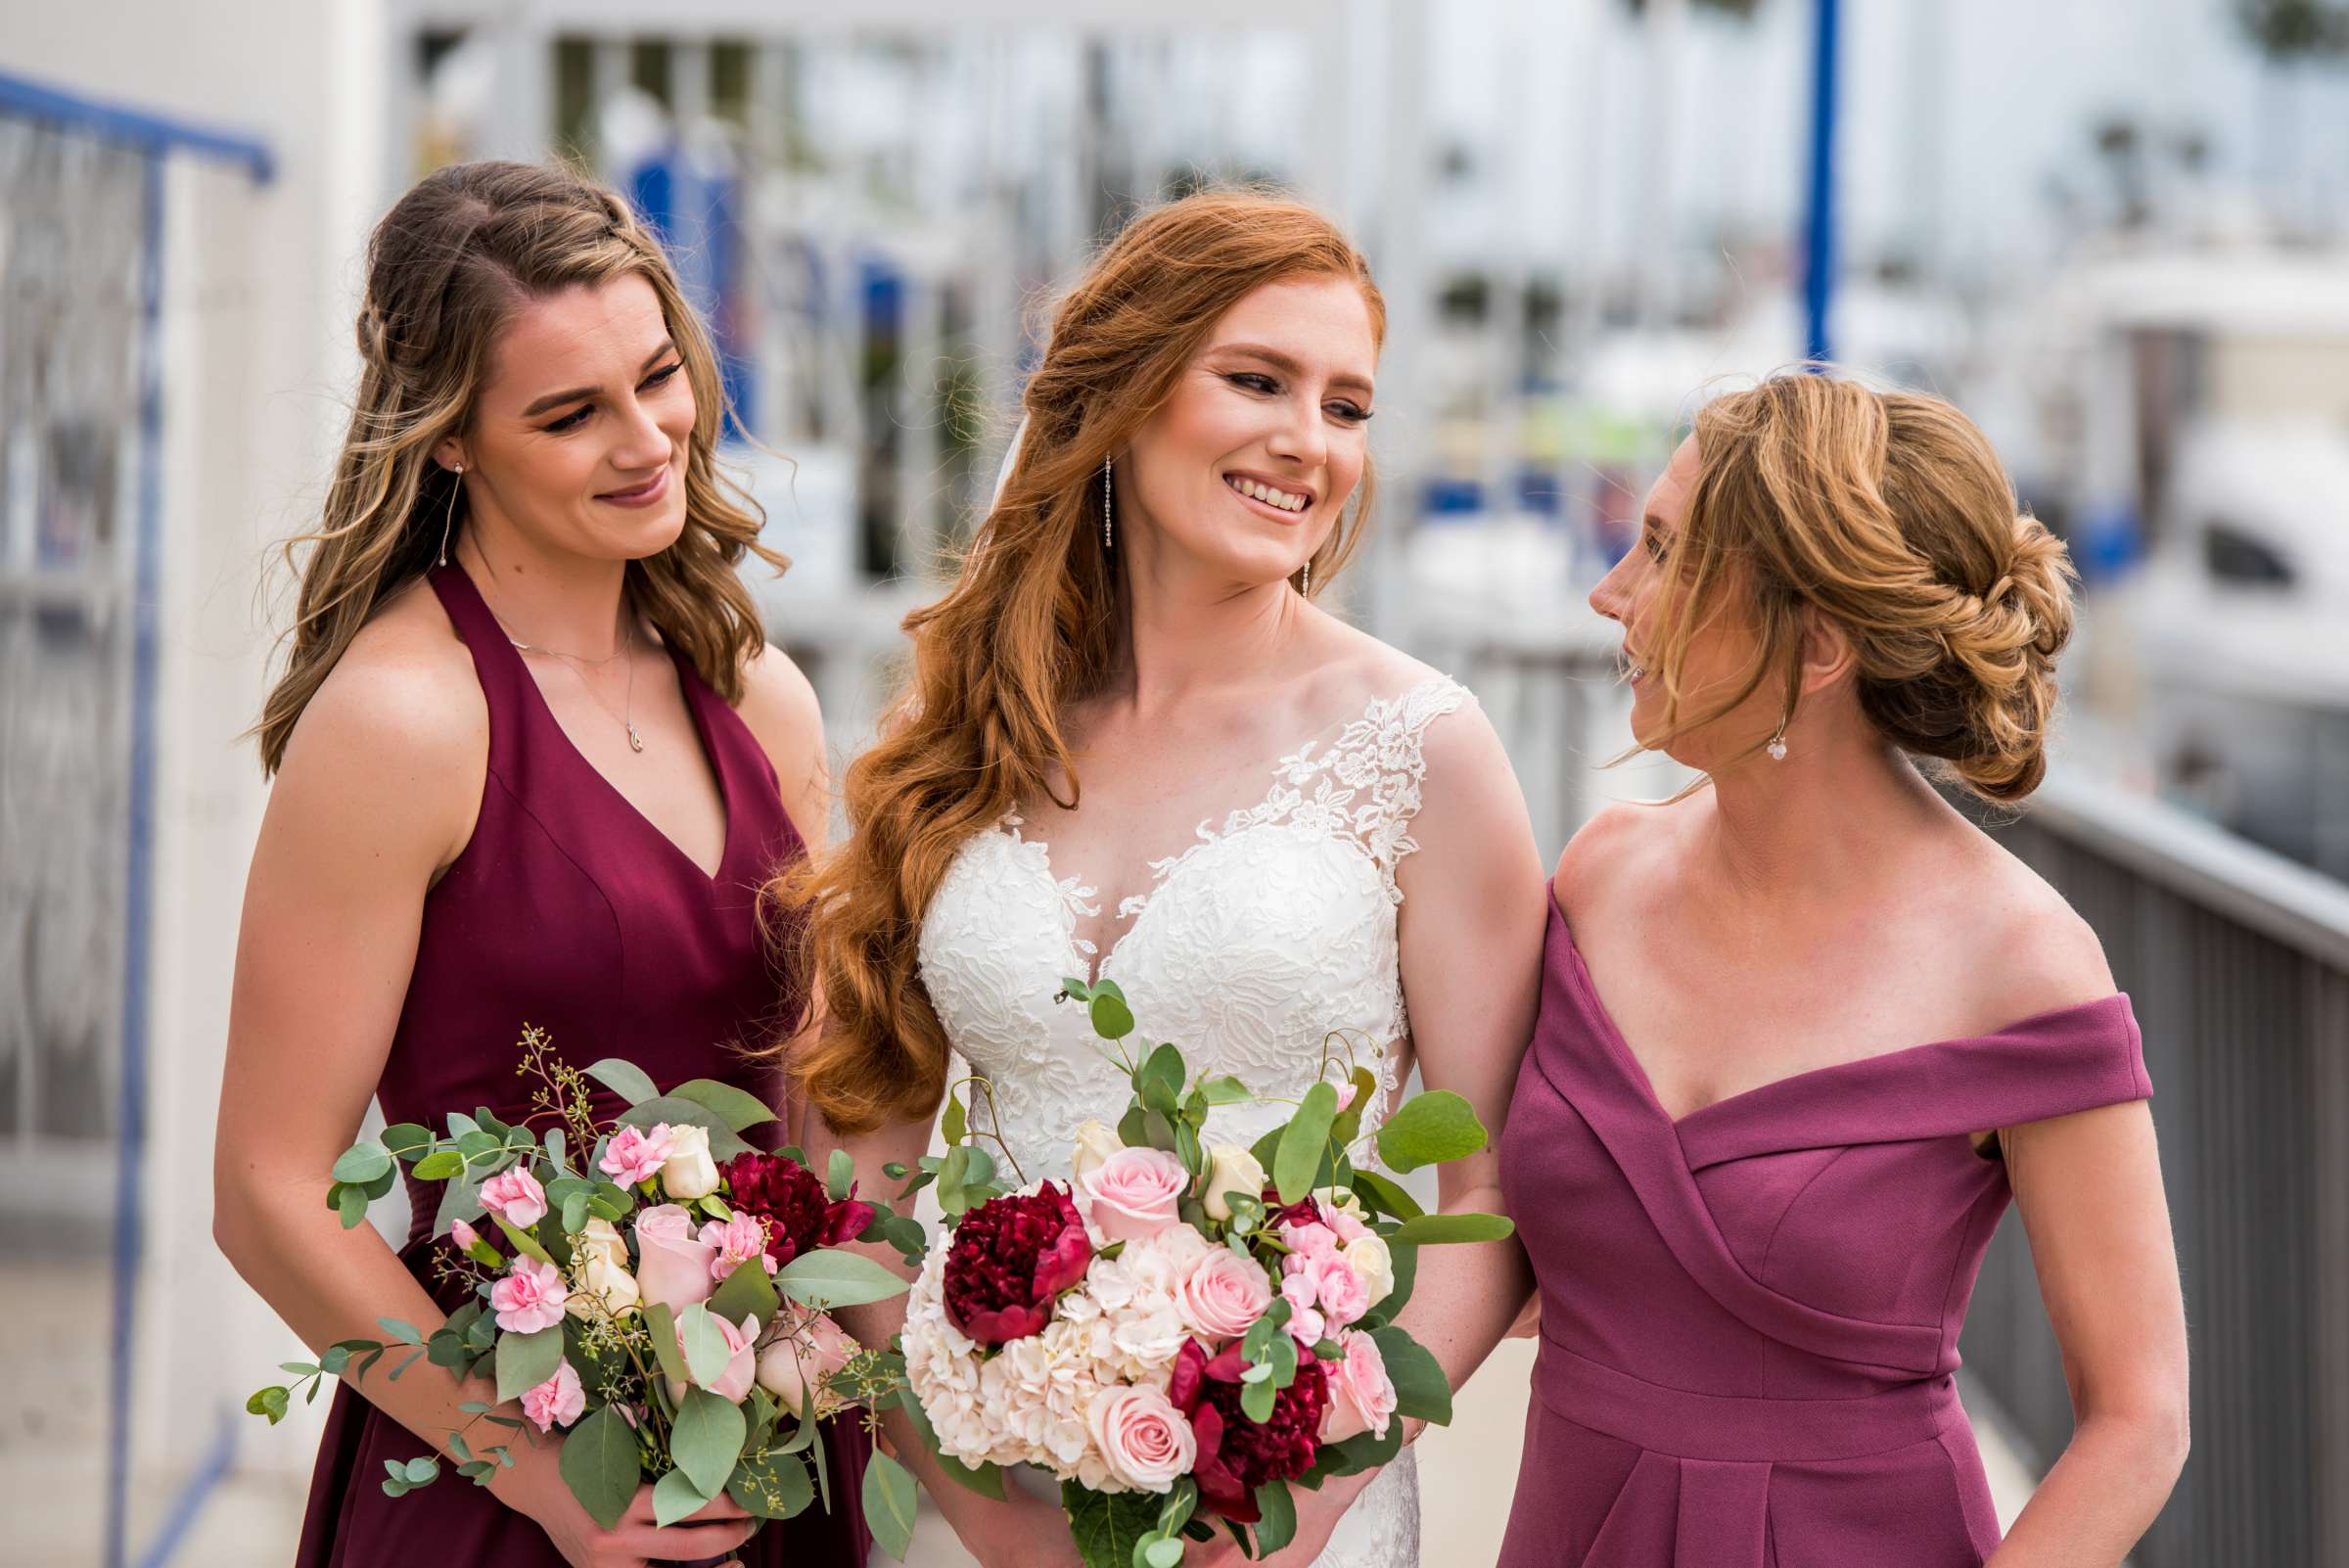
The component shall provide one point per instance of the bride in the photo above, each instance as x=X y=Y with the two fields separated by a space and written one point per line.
x=1133 y=746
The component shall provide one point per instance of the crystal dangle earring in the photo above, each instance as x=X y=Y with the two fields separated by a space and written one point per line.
x=1106 y=539
x=455 y=485
x=1307 y=586
x=1778 y=742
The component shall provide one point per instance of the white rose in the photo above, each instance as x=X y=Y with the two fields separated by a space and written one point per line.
x=689 y=1172
x=601 y=1239
x=1095 y=1144
x=1343 y=1200
x=604 y=1278
x=1373 y=1264
x=1230 y=1168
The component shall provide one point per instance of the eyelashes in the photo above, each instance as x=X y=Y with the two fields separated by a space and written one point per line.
x=1344 y=410
x=578 y=416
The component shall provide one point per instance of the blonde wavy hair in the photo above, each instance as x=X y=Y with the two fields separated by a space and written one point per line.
x=445 y=268
x=1889 y=514
x=1031 y=623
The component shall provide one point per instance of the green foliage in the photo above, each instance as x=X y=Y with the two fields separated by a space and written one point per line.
x=1429 y=1128
x=1303 y=1143
x=889 y=1500
x=598 y=1464
x=1108 y=1526
x=829 y=1278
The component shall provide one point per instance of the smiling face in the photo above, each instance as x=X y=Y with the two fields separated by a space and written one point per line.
x=583 y=426
x=1244 y=470
x=1720 y=653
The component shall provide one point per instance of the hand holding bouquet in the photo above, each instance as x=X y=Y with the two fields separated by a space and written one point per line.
x=653 y=1288
x=1183 y=1330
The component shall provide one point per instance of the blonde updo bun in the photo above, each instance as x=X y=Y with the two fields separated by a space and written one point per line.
x=1889 y=512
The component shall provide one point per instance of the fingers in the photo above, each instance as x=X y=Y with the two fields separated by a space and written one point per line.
x=722 y=1506
x=683 y=1543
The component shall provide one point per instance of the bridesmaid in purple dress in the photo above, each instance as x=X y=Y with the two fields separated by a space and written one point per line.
x=533 y=761
x=1755 y=1205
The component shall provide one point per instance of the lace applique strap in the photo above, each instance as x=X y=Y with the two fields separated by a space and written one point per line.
x=1379 y=759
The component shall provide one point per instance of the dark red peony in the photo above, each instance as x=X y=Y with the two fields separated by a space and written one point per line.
x=1236 y=1456
x=1011 y=1257
x=800 y=1215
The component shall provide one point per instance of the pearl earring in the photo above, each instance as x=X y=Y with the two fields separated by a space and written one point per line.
x=449 y=519
x=1106 y=539
x=1778 y=742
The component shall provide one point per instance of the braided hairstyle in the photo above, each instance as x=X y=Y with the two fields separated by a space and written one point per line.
x=445 y=268
x=1889 y=512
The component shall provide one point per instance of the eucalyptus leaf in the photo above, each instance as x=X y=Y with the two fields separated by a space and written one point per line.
x=1224 y=1089
x=362 y=1163
x=405 y=1139
x=772 y=1484
x=707 y=1352
x=1383 y=1196
x=526 y=1361
x=598 y=1463
x=1108 y=1525
x=1438 y=1230
x=839 y=1175
x=675 y=1496
x=661 y=1324
x=1421 y=1388
x=889 y=1499
x=746 y=1292
x=737 y=1108
x=1303 y=1143
x=624 y=1078
x=1278 y=1525
x=707 y=1439
x=459 y=1200
x=724 y=1142
x=439 y=1165
x=830 y=1277
x=955 y=1124
x=1430 y=1128
x=353 y=1202
x=1112 y=1018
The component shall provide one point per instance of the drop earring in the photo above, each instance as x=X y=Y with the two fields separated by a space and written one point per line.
x=1778 y=742
x=449 y=519
x=1307 y=586
x=1106 y=539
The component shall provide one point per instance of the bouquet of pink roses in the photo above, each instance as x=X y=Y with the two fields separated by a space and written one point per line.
x=663 y=1301
x=1183 y=1330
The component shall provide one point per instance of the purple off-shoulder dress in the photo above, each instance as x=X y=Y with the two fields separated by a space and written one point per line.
x=568 y=909
x=1750 y=1317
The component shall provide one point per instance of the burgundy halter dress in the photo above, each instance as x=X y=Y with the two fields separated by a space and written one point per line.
x=570 y=910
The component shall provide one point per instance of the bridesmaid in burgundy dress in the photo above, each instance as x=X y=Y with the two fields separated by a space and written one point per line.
x=1755 y=1207
x=534 y=762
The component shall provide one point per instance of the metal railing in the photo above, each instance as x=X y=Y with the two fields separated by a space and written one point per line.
x=2238 y=963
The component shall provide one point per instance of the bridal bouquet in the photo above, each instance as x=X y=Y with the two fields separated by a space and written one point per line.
x=1183 y=1330
x=653 y=1288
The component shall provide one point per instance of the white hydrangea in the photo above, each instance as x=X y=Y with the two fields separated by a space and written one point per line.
x=1027 y=1403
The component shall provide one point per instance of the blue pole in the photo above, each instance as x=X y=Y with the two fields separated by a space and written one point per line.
x=1819 y=237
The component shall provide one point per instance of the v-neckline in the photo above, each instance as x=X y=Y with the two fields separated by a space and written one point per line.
x=1611 y=1034
x=687 y=678
x=1096 y=965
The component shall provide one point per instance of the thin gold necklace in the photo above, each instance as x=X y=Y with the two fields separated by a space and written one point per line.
x=627 y=645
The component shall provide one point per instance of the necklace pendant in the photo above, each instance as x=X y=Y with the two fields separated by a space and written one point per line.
x=635 y=741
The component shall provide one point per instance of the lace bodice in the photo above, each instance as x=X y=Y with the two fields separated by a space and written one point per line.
x=1251 y=950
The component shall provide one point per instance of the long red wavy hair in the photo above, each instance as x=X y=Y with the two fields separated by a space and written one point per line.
x=1031 y=623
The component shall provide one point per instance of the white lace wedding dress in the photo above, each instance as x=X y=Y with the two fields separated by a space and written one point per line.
x=1247 y=950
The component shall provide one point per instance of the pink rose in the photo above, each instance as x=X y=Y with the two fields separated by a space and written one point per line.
x=516 y=1197
x=635 y=1155
x=557 y=1401
x=1345 y=1094
x=1305 y=1320
x=741 y=1362
x=1145 y=1442
x=672 y=1269
x=1341 y=1291
x=529 y=1298
x=1133 y=1193
x=1224 y=1294
x=809 y=1350
x=1312 y=1242
x=738 y=1240
x=1361 y=1397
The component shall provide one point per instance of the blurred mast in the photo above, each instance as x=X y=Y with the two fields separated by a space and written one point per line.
x=1819 y=248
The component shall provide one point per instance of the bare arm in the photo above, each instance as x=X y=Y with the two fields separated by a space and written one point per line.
x=2089 y=1189
x=379 y=790
x=1474 y=912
